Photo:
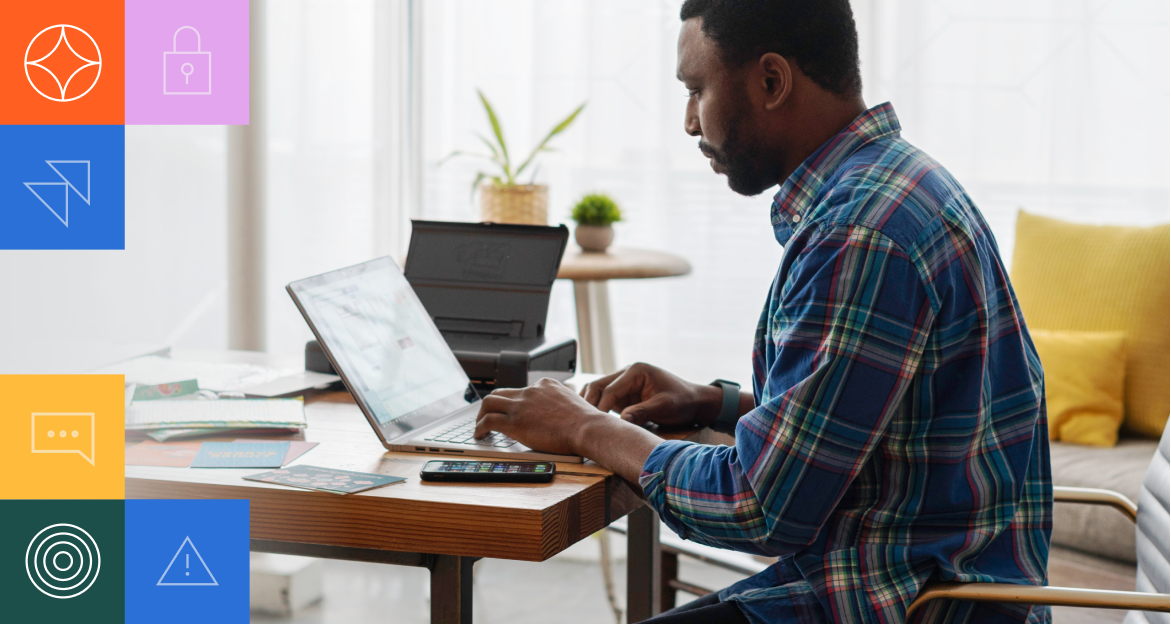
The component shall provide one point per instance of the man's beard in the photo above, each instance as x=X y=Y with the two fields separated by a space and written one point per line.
x=749 y=171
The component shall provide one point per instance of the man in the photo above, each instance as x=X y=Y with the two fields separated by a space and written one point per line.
x=896 y=430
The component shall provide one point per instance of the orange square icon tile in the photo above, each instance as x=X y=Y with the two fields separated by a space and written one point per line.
x=62 y=436
x=64 y=63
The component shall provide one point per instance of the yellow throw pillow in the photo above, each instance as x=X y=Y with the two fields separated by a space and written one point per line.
x=1092 y=278
x=1084 y=372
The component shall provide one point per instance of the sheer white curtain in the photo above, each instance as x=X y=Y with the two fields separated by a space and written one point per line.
x=319 y=192
x=1058 y=106
x=338 y=144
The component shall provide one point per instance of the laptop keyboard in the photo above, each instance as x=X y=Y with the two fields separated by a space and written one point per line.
x=461 y=433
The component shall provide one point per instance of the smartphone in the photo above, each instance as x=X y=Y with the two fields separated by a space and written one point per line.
x=488 y=471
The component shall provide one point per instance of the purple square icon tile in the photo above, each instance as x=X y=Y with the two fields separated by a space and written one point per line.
x=186 y=62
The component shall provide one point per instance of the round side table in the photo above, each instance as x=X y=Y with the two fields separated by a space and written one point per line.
x=590 y=272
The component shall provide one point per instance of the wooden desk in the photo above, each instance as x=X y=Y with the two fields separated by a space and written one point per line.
x=443 y=527
x=590 y=273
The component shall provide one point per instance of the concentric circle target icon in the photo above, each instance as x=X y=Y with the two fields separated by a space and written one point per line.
x=62 y=561
x=67 y=61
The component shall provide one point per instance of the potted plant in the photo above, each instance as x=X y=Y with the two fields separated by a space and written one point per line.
x=595 y=215
x=503 y=199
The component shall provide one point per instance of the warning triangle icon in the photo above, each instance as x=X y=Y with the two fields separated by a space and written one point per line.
x=187 y=568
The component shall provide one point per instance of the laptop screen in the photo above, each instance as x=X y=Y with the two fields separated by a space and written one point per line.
x=384 y=345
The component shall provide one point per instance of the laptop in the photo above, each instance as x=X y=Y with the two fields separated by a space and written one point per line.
x=397 y=365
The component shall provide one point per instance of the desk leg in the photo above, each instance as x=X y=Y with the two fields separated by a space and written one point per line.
x=451 y=589
x=595 y=338
x=643 y=561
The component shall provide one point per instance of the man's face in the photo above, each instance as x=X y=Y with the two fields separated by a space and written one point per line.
x=720 y=113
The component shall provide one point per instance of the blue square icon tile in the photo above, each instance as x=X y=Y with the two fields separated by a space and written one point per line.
x=187 y=561
x=63 y=187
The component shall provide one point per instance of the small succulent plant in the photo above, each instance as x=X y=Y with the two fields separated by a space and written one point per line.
x=596 y=209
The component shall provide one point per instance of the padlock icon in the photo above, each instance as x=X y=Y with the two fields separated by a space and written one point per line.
x=186 y=72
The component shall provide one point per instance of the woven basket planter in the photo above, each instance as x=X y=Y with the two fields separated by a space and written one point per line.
x=521 y=203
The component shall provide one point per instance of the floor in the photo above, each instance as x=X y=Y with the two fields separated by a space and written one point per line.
x=506 y=592
x=570 y=587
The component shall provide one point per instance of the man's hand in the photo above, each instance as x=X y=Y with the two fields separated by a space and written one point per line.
x=643 y=393
x=549 y=417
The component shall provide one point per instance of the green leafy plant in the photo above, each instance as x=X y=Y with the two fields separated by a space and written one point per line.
x=596 y=209
x=506 y=175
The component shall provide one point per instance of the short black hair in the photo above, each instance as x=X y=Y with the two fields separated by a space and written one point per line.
x=819 y=35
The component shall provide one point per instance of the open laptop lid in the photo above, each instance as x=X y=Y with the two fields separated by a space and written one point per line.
x=384 y=345
x=491 y=279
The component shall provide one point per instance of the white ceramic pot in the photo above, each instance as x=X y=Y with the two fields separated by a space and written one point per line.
x=595 y=238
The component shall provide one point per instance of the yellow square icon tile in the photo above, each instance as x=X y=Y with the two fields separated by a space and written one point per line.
x=62 y=436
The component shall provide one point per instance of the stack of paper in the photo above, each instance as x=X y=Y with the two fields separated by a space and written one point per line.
x=171 y=419
x=250 y=379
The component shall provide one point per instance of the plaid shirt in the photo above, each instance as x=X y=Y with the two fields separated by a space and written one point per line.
x=899 y=432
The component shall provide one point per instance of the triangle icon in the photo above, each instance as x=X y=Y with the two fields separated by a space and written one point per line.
x=62 y=210
x=75 y=173
x=187 y=568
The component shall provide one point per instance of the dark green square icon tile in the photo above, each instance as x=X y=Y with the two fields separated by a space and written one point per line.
x=63 y=561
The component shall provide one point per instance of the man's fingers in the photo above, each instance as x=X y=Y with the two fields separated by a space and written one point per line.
x=592 y=392
x=617 y=394
x=635 y=414
x=507 y=392
x=657 y=409
x=496 y=403
x=491 y=421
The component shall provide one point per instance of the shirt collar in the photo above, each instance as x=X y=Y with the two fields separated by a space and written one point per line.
x=800 y=191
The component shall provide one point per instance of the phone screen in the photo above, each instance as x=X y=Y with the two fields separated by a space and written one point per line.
x=487 y=467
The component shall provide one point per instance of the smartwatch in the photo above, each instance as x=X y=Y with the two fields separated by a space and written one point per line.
x=729 y=408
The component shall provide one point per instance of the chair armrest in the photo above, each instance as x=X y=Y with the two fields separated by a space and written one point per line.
x=1095 y=496
x=1034 y=595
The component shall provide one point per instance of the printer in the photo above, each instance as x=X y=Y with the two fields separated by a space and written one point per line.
x=486 y=287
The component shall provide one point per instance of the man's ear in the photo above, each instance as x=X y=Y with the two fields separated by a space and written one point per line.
x=777 y=76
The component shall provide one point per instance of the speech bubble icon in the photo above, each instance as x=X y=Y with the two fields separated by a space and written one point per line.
x=64 y=432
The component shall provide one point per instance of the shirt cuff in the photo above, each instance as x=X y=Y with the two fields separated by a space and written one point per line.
x=654 y=473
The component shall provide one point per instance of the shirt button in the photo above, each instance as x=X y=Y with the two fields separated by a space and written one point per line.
x=796 y=218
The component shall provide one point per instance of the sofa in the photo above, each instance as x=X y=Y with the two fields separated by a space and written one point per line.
x=1095 y=299
x=1096 y=529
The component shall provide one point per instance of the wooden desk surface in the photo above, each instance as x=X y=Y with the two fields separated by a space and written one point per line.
x=530 y=522
x=524 y=521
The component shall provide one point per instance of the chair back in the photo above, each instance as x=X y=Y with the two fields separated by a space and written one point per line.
x=1152 y=533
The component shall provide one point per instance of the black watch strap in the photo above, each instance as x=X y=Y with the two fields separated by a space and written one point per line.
x=729 y=408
